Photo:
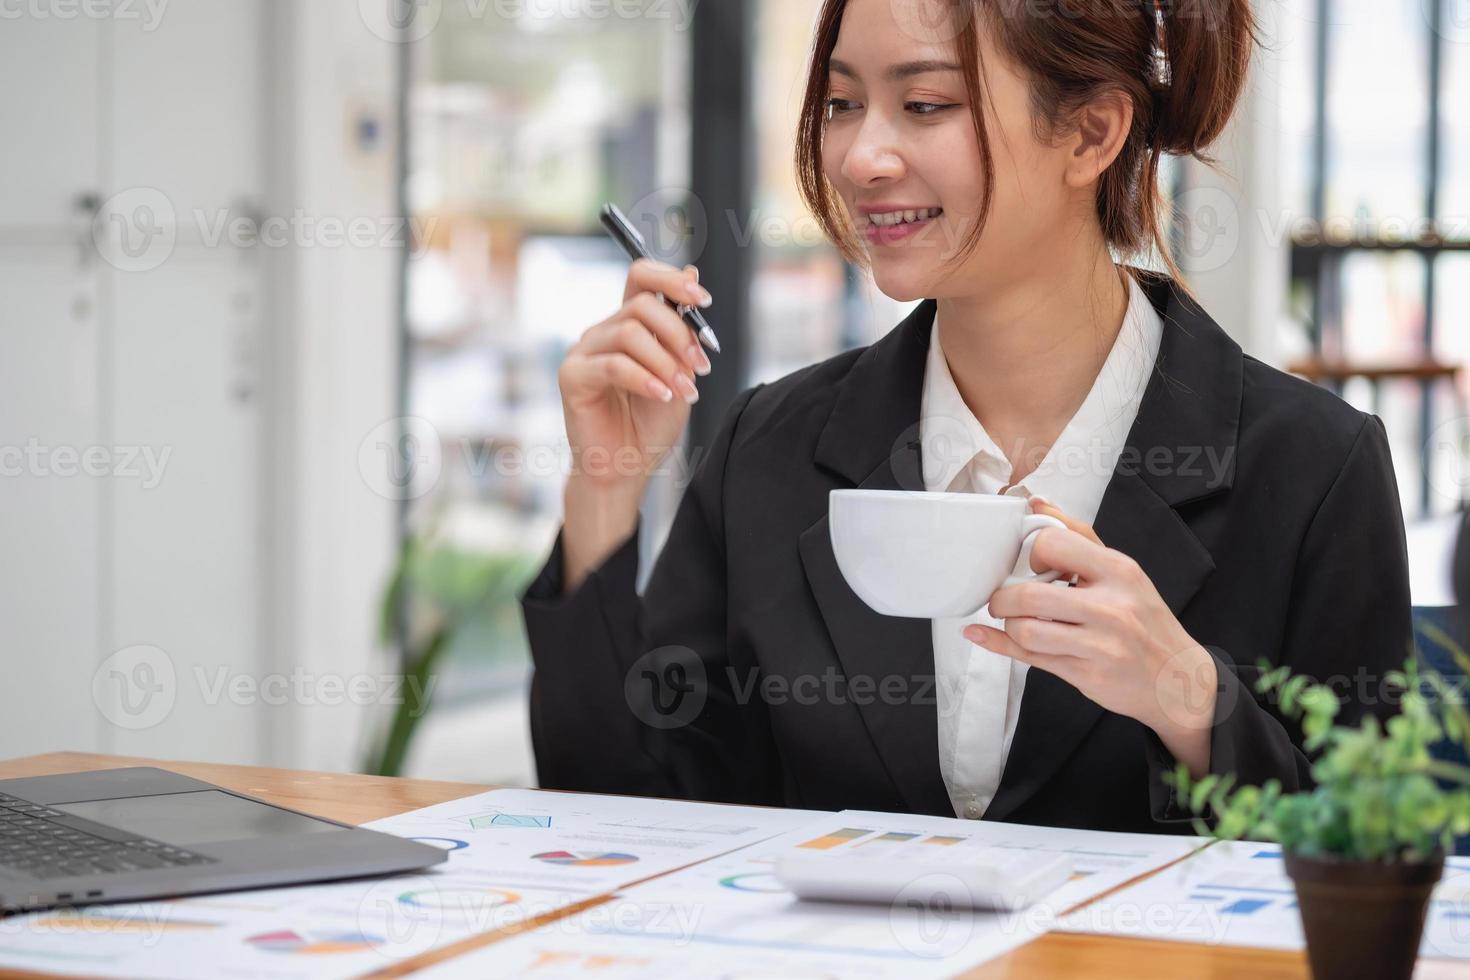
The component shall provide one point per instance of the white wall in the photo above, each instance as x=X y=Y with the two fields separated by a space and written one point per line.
x=128 y=335
x=333 y=537
x=1235 y=259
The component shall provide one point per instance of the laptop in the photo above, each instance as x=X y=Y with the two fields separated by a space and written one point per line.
x=143 y=833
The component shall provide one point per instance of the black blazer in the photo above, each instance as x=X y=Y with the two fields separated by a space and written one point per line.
x=1263 y=508
x=1462 y=570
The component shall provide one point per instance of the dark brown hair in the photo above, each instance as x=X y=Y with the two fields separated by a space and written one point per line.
x=1184 y=79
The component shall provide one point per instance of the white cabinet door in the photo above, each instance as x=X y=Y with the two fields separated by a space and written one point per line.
x=50 y=589
x=49 y=116
x=184 y=108
x=185 y=105
x=186 y=529
x=130 y=498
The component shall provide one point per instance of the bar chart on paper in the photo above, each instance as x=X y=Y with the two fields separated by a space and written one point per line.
x=1238 y=894
x=878 y=839
x=730 y=916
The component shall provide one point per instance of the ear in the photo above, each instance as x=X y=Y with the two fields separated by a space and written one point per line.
x=1102 y=127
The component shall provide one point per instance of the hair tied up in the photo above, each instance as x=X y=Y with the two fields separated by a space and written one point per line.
x=1156 y=71
x=1157 y=11
x=1183 y=68
x=1160 y=97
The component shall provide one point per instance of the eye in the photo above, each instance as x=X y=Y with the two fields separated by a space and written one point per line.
x=837 y=107
x=927 y=108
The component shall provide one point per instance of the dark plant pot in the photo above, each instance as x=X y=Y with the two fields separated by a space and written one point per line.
x=1362 y=918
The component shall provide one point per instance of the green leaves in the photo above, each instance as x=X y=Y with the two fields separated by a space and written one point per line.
x=438 y=594
x=1380 y=794
x=1200 y=793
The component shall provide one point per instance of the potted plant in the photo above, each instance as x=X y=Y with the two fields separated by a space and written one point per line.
x=441 y=596
x=1365 y=846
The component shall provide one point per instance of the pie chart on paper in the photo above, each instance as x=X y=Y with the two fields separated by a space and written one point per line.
x=586 y=859
x=292 y=941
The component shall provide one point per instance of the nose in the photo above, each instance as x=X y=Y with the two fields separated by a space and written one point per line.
x=873 y=155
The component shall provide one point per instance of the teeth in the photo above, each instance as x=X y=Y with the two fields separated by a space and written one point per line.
x=894 y=218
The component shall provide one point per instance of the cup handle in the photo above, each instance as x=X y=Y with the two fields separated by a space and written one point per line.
x=1030 y=525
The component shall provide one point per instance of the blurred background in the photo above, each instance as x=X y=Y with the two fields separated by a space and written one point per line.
x=284 y=288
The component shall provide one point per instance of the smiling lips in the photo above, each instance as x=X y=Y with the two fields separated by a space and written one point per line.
x=892 y=225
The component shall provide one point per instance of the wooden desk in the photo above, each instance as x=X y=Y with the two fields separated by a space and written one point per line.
x=357 y=799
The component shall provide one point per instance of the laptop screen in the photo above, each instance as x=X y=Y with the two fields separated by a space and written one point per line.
x=194 y=818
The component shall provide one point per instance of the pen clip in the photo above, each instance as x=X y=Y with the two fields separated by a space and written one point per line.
x=627 y=227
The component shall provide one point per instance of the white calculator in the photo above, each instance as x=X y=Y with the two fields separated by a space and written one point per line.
x=985 y=878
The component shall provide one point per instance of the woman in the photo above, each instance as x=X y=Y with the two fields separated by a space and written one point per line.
x=990 y=158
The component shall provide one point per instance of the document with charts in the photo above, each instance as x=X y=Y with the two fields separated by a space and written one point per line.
x=730 y=915
x=513 y=854
x=1238 y=894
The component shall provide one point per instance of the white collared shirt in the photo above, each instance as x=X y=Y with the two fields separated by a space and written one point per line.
x=979 y=692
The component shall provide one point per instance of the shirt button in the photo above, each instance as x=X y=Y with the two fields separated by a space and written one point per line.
x=972 y=810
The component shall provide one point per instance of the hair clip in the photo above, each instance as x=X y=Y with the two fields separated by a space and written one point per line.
x=1161 y=74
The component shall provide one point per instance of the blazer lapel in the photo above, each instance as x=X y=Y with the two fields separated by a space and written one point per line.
x=1188 y=417
x=1180 y=449
x=871 y=440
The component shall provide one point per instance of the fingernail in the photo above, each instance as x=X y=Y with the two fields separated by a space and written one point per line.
x=976 y=634
x=686 y=387
x=660 y=391
x=701 y=296
x=698 y=360
x=1037 y=498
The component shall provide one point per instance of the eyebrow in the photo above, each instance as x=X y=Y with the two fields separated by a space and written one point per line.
x=899 y=72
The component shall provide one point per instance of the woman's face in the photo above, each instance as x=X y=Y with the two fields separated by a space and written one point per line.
x=900 y=138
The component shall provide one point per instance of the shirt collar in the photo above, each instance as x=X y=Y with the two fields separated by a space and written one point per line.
x=1088 y=447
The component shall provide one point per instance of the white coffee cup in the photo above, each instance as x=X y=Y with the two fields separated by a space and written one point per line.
x=932 y=555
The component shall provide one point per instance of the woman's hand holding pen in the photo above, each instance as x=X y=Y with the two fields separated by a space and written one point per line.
x=1112 y=637
x=626 y=388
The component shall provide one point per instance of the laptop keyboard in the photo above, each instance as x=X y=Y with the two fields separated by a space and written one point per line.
x=30 y=841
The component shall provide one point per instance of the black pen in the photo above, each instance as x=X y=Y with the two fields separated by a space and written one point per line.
x=627 y=236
